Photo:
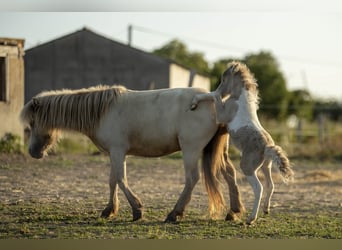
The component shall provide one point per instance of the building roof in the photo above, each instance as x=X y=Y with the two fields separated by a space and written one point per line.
x=125 y=46
x=12 y=41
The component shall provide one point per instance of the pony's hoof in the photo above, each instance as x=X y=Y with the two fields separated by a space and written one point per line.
x=172 y=217
x=193 y=106
x=231 y=216
x=170 y=220
x=137 y=215
x=250 y=222
x=107 y=212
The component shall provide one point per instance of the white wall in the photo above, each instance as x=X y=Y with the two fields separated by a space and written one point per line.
x=179 y=78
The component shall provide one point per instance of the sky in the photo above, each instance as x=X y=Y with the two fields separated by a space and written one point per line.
x=305 y=36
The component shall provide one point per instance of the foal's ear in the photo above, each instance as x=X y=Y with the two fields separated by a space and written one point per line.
x=35 y=104
x=234 y=68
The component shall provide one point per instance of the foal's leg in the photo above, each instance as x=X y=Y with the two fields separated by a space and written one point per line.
x=201 y=98
x=229 y=174
x=191 y=178
x=266 y=169
x=250 y=163
x=257 y=189
x=118 y=177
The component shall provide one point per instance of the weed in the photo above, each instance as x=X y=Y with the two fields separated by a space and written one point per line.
x=10 y=143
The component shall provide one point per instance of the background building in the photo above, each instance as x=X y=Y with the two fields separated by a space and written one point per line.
x=11 y=85
x=84 y=59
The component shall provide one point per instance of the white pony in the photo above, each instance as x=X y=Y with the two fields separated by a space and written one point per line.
x=239 y=114
x=145 y=123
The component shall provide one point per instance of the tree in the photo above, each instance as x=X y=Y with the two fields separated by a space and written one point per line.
x=331 y=108
x=301 y=104
x=178 y=52
x=271 y=82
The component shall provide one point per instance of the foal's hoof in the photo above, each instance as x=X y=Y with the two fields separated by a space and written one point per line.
x=137 y=215
x=193 y=106
x=250 y=222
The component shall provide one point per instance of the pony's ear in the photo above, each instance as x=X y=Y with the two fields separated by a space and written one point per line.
x=35 y=104
x=232 y=65
x=234 y=68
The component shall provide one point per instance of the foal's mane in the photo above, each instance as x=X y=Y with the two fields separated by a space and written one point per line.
x=79 y=110
x=247 y=79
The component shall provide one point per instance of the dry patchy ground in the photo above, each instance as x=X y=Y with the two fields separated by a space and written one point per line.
x=78 y=185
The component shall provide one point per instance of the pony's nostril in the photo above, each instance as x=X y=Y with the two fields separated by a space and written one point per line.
x=35 y=154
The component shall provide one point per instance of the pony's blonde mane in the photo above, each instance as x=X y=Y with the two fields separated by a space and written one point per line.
x=79 y=110
x=247 y=79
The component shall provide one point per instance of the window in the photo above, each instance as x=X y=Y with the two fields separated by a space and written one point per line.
x=3 y=85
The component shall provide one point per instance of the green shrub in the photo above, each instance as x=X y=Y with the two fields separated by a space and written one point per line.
x=10 y=143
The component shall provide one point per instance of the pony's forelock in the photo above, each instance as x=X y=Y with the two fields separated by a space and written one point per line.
x=26 y=114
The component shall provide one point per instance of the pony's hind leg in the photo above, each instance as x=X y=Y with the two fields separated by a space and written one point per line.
x=266 y=169
x=236 y=207
x=257 y=189
x=250 y=163
x=191 y=178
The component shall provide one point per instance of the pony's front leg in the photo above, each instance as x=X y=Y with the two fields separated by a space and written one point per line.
x=113 y=204
x=191 y=178
x=119 y=172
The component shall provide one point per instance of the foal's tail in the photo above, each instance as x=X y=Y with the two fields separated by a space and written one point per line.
x=278 y=156
x=212 y=163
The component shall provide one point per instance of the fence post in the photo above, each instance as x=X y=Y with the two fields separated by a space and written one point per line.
x=321 y=130
x=299 y=130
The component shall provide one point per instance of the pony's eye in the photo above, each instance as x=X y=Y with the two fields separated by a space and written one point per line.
x=31 y=125
x=47 y=137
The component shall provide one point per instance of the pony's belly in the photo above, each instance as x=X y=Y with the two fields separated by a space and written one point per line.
x=147 y=150
x=151 y=146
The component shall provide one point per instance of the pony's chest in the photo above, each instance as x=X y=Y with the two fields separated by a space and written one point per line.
x=242 y=118
x=237 y=122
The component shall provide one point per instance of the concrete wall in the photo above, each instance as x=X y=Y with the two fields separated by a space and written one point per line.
x=201 y=82
x=11 y=107
x=180 y=78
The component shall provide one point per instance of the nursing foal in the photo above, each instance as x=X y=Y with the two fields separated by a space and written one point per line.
x=239 y=113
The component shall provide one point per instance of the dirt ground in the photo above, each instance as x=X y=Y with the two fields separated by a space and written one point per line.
x=66 y=179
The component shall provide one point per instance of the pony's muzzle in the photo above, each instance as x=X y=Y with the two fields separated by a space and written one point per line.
x=36 y=153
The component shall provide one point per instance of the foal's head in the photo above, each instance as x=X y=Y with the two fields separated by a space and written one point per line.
x=42 y=138
x=234 y=78
x=230 y=80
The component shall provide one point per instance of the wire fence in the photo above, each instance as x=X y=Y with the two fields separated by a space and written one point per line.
x=321 y=139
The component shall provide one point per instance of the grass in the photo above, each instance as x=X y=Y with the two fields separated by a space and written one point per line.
x=75 y=214
x=36 y=221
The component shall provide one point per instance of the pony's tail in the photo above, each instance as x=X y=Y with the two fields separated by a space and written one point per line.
x=212 y=163
x=278 y=156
